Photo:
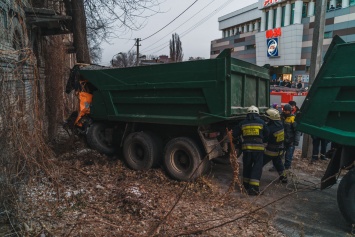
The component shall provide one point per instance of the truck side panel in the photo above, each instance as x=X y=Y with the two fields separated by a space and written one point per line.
x=187 y=93
x=329 y=109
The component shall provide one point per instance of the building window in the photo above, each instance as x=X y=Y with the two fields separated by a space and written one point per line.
x=352 y=3
x=304 y=10
x=328 y=34
x=259 y=23
x=215 y=52
x=250 y=46
x=338 y=4
x=267 y=20
x=292 y=13
x=3 y=18
x=283 y=16
x=274 y=20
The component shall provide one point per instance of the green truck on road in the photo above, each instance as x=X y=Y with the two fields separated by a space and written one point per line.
x=173 y=114
x=329 y=112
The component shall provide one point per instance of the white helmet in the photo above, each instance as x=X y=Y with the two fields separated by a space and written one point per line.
x=253 y=110
x=273 y=114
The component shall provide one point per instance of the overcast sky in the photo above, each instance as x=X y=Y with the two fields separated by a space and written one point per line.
x=197 y=27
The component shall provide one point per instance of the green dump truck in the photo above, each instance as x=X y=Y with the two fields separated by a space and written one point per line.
x=174 y=114
x=329 y=112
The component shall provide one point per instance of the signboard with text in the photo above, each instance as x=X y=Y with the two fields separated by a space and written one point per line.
x=273 y=33
x=272 y=47
x=270 y=2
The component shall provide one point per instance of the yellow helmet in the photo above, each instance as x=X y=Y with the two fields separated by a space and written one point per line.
x=273 y=114
x=253 y=110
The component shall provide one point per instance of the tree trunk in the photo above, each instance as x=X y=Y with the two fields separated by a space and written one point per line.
x=77 y=12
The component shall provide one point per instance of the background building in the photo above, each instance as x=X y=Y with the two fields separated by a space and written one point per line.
x=279 y=33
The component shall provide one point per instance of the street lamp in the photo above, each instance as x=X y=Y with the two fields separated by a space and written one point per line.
x=114 y=56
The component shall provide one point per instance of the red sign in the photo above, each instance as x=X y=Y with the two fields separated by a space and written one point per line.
x=273 y=33
x=269 y=2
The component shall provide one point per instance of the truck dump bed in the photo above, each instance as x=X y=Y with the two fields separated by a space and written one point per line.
x=329 y=108
x=187 y=93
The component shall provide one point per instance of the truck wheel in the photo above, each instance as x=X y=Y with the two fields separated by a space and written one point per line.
x=141 y=151
x=99 y=139
x=182 y=157
x=158 y=148
x=346 y=196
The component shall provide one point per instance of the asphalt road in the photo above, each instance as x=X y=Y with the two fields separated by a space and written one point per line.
x=306 y=213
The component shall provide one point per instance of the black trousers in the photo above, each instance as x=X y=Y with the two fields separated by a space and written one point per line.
x=252 y=167
x=323 y=146
x=276 y=161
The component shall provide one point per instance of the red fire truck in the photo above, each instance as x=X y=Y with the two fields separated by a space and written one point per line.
x=282 y=95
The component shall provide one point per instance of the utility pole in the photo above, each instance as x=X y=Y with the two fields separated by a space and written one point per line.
x=316 y=61
x=137 y=44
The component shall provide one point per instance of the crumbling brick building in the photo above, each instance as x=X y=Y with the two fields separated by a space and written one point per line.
x=35 y=57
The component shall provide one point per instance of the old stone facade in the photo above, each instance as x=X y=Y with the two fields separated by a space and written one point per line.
x=34 y=60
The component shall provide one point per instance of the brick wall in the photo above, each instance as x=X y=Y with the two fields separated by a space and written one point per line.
x=24 y=70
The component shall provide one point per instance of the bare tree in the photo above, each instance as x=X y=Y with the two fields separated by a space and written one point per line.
x=176 y=54
x=102 y=19
x=124 y=59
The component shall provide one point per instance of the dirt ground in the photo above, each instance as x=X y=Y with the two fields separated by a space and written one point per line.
x=98 y=195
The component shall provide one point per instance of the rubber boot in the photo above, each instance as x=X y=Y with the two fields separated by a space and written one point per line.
x=253 y=190
x=283 y=177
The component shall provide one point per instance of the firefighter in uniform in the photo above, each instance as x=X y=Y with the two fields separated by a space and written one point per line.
x=275 y=147
x=252 y=131
x=292 y=136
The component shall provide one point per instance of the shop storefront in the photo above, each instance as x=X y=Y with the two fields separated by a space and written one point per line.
x=279 y=33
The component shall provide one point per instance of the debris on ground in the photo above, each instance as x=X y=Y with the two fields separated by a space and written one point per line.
x=305 y=165
x=99 y=195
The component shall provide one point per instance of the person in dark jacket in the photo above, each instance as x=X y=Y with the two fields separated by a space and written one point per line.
x=299 y=85
x=294 y=106
x=275 y=147
x=292 y=136
x=253 y=133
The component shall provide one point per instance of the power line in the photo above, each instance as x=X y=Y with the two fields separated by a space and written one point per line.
x=170 y=21
x=132 y=47
x=194 y=26
x=204 y=19
x=179 y=26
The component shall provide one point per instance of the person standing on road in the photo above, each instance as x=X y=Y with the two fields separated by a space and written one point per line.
x=253 y=133
x=294 y=106
x=316 y=141
x=275 y=147
x=292 y=136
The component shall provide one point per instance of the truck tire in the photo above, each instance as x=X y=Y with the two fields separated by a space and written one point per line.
x=346 y=196
x=158 y=148
x=141 y=151
x=207 y=166
x=182 y=156
x=98 y=139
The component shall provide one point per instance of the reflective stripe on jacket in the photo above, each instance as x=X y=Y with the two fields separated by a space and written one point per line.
x=253 y=133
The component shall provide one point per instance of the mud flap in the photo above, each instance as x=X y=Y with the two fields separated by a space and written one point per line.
x=329 y=177
x=343 y=158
